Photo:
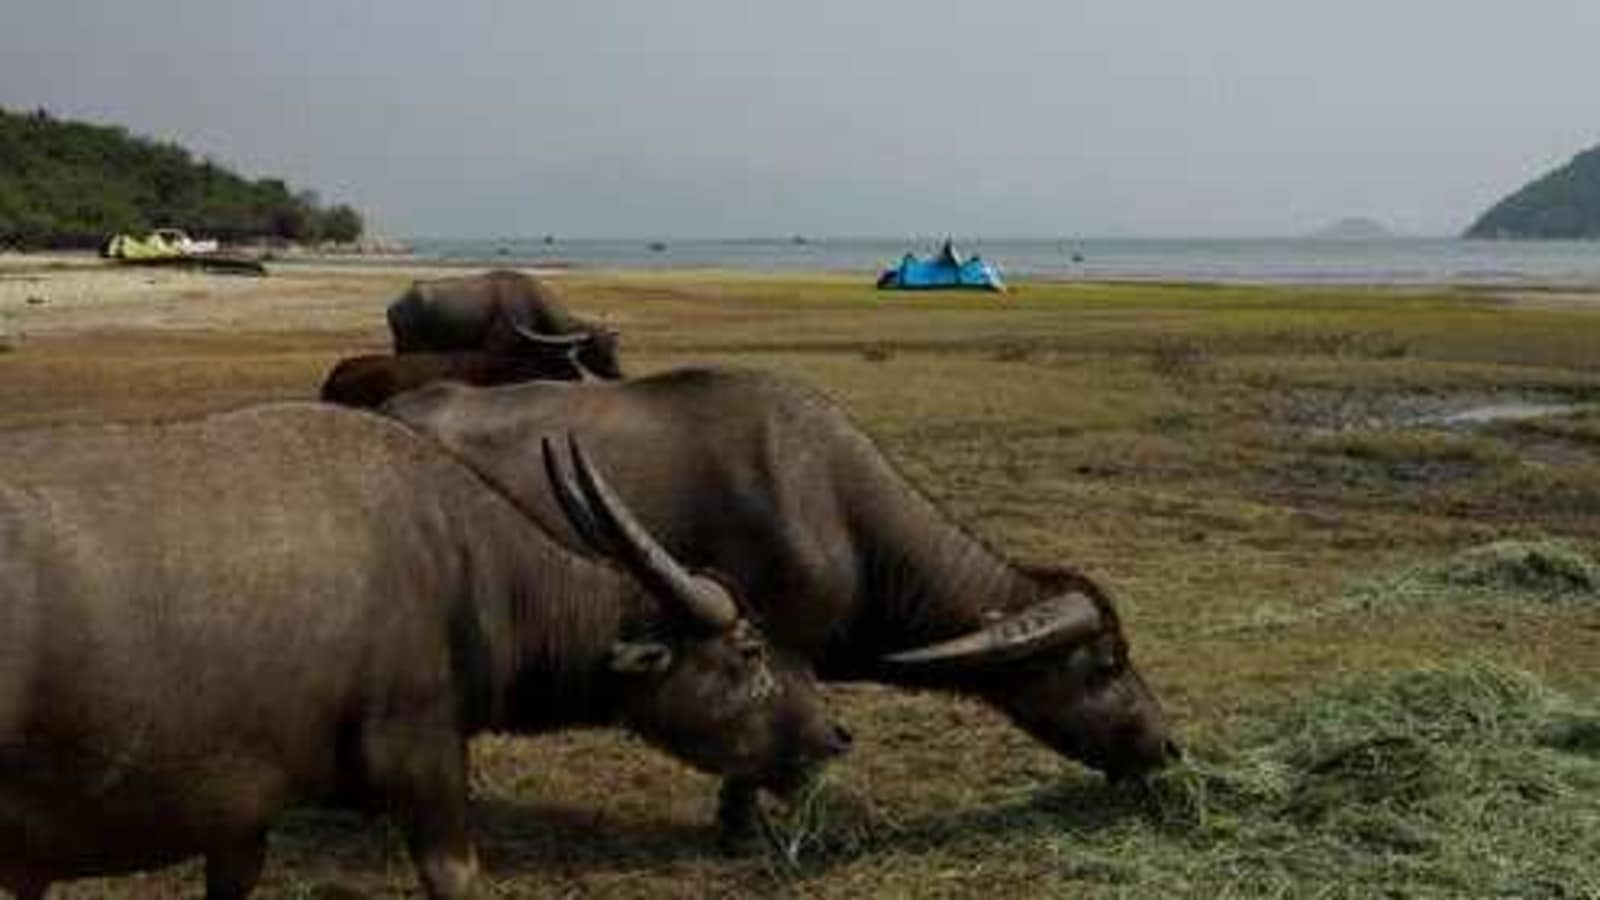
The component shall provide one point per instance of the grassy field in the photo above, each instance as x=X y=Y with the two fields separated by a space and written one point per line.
x=1381 y=637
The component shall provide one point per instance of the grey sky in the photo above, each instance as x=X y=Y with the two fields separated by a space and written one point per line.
x=735 y=117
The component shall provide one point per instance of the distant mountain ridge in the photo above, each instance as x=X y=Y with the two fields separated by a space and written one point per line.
x=1562 y=203
x=72 y=184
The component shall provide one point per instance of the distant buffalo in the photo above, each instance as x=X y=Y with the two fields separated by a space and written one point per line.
x=205 y=622
x=367 y=381
x=500 y=312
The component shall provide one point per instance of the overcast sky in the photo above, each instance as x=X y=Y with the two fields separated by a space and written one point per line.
x=841 y=117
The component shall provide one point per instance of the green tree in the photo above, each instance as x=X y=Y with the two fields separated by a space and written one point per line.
x=342 y=224
x=69 y=184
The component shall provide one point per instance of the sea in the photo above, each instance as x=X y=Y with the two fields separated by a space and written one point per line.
x=1404 y=261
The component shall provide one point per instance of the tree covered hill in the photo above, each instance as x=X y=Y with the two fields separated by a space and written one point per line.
x=72 y=184
x=1562 y=203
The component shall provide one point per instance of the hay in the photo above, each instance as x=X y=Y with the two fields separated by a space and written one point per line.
x=1473 y=780
x=1547 y=568
x=1535 y=573
x=825 y=821
x=1504 y=575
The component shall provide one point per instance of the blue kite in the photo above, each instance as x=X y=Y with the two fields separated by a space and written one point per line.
x=945 y=270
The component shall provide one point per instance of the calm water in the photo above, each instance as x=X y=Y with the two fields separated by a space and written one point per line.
x=1402 y=261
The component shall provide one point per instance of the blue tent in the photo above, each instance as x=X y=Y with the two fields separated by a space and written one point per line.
x=944 y=270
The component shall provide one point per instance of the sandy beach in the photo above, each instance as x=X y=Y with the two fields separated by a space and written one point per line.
x=67 y=294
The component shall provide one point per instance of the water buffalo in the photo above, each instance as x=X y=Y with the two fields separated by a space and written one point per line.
x=843 y=559
x=501 y=312
x=366 y=381
x=204 y=622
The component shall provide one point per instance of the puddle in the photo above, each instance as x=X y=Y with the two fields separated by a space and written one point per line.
x=1489 y=413
x=1334 y=410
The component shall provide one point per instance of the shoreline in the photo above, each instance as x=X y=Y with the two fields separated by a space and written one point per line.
x=15 y=266
x=46 y=295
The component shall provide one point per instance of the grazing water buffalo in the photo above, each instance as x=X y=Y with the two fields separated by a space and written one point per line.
x=501 y=312
x=205 y=622
x=367 y=381
x=844 y=561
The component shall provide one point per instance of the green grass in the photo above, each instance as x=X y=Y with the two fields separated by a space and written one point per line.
x=1228 y=461
x=1412 y=447
x=1582 y=428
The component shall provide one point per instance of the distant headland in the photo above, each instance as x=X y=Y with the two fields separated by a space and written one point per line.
x=1563 y=203
x=66 y=184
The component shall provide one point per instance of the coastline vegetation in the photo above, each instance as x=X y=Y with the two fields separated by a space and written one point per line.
x=67 y=184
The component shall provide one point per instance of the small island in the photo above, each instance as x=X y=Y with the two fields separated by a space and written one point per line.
x=1562 y=204
x=1353 y=228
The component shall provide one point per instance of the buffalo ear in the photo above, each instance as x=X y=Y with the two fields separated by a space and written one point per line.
x=640 y=658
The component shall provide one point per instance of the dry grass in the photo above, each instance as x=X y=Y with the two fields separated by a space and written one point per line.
x=1164 y=438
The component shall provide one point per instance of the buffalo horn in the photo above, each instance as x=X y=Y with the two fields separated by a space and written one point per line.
x=577 y=364
x=571 y=501
x=649 y=561
x=570 y=339
x=1050 y=623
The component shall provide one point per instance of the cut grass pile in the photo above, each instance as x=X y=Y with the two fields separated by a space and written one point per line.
x=1463 y=781
x=1472 y=780
x=1503 y=573
x=1541 y=568
x=1530 y=575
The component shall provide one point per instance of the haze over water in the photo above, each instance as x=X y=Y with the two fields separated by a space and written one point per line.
x=1279 y=260
x=721 y=117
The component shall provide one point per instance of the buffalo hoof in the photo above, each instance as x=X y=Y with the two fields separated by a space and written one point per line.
x=742 y=844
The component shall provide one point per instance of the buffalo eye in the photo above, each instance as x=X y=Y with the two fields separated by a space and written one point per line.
x=748 y=644
x=1107 y=664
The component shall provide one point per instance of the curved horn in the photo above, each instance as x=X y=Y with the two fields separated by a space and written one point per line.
x=649 y=561
x=570 y=339
x=1050 y=623
x=571 y=500
x=584 y=373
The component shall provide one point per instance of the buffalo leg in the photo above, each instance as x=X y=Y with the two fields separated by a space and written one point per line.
x=738 y=816
x=442 y=852
x=423 y=781
x=232 y=872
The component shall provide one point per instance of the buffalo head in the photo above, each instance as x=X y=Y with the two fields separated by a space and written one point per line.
x=1061 y=670
x=589 y=355
x=700 y=681
x=599 y=355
